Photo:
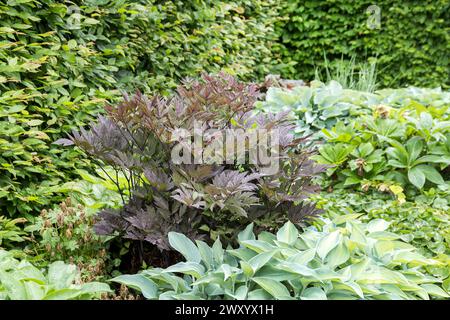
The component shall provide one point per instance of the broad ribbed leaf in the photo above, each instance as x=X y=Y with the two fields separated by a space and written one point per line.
x=288 y=233
x=147 y=287
x=327 y=243
x=275 y=288
x=186 y=247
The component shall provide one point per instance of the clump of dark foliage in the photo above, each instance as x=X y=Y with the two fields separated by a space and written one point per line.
x=203 y=200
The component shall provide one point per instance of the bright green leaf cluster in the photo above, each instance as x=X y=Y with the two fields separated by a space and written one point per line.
x=20 y=280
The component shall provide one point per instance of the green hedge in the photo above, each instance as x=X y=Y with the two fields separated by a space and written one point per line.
x=412 y=43
x=61 y=61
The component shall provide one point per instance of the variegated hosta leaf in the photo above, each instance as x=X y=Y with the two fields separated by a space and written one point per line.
x=334 y=262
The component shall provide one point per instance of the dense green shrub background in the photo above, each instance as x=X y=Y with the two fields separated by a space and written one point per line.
x=412 y=43
x=55 y=73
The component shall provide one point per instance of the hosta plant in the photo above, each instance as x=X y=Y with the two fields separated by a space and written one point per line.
x=20 y=280
x=399 y=137
x=321 y=106
x=318 y=106
x=390 y=148
x=139 y=137
x=342 y=259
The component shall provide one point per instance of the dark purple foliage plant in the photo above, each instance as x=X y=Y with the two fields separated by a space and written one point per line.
x=202 y=199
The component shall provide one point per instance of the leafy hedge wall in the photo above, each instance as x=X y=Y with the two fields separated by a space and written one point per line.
x=61 y=61
x=411 y=44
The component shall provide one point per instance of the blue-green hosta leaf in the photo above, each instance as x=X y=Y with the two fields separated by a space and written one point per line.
x=258 y=245
x=240 y=293
x=328 y=243
x=379 y=275
x=383 y=247
x=412 y=258
x=260 y=260
x=95 y=287
x=344 y=218
x=327 y=274
x=275 y=288
x=247 y=268
x=147 y=287
x=297 y=269
x=349 y=286
x=303 y=257
x=247 y=233
x=14 y=288
x=172 y=295
x=276 y=273
x=280 y=98
x=243 y=253
x=398 y=293
x=185 y=246
x=267 y=237
x=62 y=294
x=228 y=271
x=426 y=120
x=215 y=289
x=206 y=253
x=30 y=272
x=218 y=251
x=434 y=290
x=383 y=235
x=191 y=268
x=339 y=255
x=70 y=294
x=288 y=233
x=61 y=275
x=210 y=278
x=34 y=291
x=377 y=225
x=313 y=293
x=359 y=268
x=446 y=284
x=259 y=294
